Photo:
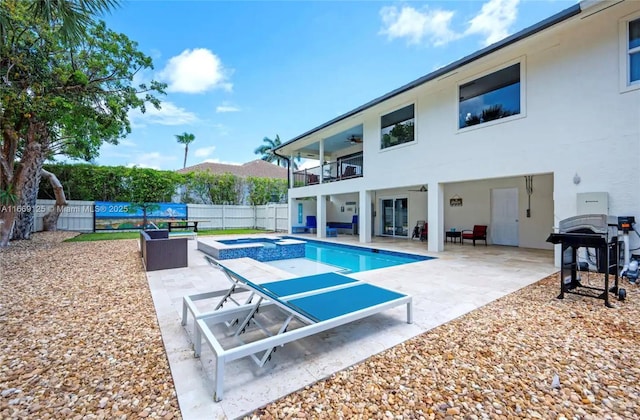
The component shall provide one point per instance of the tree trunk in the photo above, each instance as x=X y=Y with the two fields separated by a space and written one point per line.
x=27 y=178
x=50 y=220
x=32 y=166
x=6 y=225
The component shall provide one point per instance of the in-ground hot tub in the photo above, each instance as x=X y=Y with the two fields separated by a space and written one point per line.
x=261 y=249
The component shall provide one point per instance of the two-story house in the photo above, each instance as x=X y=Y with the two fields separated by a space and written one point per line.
x=509 y=137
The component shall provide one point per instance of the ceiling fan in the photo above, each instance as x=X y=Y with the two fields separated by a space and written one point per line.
x=421 y=189
x=353 y=139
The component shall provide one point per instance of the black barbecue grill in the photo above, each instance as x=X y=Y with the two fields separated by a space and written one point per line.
x=597 y=232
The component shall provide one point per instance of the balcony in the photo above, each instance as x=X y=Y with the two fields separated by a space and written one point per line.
x=340 y=170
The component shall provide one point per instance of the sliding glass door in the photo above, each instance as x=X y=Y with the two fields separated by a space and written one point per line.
x=395 y=217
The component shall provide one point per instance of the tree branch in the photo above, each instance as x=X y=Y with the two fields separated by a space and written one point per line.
x=50 y=220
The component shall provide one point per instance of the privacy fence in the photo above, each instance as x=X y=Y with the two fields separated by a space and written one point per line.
x=80 y=216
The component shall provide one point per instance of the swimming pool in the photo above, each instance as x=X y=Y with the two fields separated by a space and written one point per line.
x=345 y=258
x=355 y=258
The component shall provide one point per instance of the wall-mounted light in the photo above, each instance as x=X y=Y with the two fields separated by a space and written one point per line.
x=576 y=179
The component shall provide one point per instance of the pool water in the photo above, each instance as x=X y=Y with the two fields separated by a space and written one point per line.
x=355 y=259
x=266 y=242
x=303 y=255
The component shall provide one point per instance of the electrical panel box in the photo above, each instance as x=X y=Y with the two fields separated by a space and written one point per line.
x=593 y=203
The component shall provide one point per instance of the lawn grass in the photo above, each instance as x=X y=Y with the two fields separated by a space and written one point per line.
x=108 y=236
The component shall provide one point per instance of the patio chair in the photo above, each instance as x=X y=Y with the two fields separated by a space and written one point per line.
x=312 y=224
x=424 y=232
x=479 y=233
x=417 y=229
x=313 y=179
x=320 y=302
x=349 y=172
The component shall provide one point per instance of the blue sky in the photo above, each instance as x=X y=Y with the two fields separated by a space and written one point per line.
x=241 y=70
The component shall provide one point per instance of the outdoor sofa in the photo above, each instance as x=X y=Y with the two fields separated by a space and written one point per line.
x=159 y=252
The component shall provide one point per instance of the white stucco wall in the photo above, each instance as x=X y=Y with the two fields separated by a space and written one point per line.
x=575 y=119
x=476 y=209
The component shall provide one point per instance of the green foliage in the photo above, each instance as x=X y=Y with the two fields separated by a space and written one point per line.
x=267 y=150
x=148 y=187
x=186 y=139
x=119 y=183
x=208 y=188
x=77 y=90
x=106 y=183
x=7 y=197
x=266 y=190
x=73 y=15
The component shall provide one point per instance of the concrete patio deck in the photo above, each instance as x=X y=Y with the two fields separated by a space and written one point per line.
x=461 y=279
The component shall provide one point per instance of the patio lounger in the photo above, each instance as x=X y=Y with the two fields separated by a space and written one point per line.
x=238 y=284
x=319 y=309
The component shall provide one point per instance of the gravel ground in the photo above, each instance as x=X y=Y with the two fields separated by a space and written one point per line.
x=496 y=362
x=79 y=339
x=78 y=333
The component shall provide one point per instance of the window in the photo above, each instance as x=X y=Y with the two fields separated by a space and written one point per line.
x=494 y=96
x=397 y=127
x=634 y=51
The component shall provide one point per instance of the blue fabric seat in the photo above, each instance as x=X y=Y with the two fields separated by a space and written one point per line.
x=312 y=223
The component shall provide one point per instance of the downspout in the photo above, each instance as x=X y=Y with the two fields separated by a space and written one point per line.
x=288 y=168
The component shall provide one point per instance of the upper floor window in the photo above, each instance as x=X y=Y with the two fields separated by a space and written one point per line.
x=397 y=127
x=494 y=96
x=634 y=51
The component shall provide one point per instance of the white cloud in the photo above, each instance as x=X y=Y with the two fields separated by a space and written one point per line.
x=494 y=20
x=195 y=71
x=416 y=25
x=434 y=26
x=204 y=151
x=227 y=108
x=126 y=143
x=153 y=160
x=168 y=114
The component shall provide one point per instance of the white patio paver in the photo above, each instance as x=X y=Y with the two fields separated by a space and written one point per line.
x=460 y=280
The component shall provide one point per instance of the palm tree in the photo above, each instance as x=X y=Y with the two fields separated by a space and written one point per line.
x=75 y=15
x=267 y=150
x=268 y=155
x=185 y=138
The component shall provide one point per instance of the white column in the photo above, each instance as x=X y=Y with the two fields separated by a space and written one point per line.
x=293 y=214
x=321 y=216
x=321 y=152
x=291 y=177
x=436 y=217
x=364 y=217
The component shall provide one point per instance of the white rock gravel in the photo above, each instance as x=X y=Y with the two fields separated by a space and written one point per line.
x=79 y=339
x=497 y=362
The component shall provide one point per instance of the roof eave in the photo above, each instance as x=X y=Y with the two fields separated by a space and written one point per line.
x=518 y=36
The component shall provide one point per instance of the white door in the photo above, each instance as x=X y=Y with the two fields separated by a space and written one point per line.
x=504 y=216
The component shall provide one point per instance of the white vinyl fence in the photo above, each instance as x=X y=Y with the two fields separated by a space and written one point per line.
x=78 y=216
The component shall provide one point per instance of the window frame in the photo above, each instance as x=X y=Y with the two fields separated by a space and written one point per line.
x=626 y=84
x=495 y=69
x=415 y=126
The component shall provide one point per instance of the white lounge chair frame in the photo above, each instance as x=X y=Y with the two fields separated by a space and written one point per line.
x=260 y=350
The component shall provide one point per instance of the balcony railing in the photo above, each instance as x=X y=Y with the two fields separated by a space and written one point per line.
x=340 y=170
